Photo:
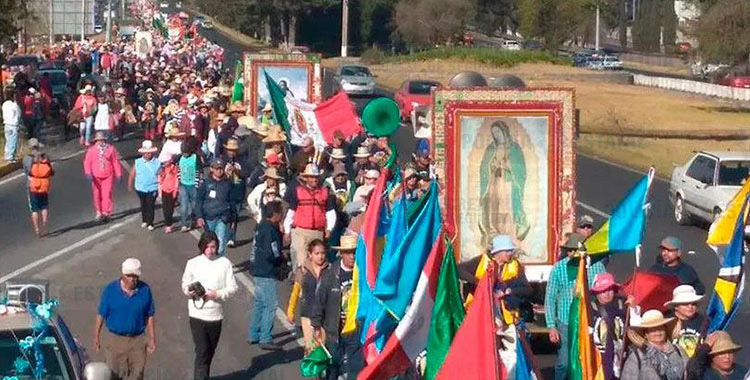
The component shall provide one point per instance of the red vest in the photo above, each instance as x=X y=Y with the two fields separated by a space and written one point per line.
x=311 y=208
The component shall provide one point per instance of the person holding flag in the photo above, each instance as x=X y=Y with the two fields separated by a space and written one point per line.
x=653 y=356
x=608 y=323
x=670 y=262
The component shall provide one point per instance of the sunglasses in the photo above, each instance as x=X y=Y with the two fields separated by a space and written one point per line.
x=588 y=226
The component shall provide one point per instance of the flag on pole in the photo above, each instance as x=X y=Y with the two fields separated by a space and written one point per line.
x=651 y=290
x=730 y=283
x=318 y=121
x=239 y=88
x=473 y=352
x=524 y=368
x=624 y=229
x=585 y=362
x=722 y=229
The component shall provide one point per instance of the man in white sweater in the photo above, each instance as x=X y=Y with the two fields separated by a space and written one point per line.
x=208 y=281
x=12 y=122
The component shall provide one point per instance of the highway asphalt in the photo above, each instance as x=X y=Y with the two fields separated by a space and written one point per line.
x=80 y=257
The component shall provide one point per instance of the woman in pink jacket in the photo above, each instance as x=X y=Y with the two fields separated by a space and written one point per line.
x=101 y=167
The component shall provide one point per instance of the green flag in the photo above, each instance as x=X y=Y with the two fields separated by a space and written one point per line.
x=158 y=24
x=239 y=88
x=280 y=112
x=447 y=315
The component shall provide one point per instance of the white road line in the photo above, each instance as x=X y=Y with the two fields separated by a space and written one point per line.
x=63 y=158
x=67 y=249
x=11 y=178
x=20 y=175
x=594 y=210
x=244 y=279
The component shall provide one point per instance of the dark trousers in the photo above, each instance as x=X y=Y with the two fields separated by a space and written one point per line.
x=147 y=206
x=347 y=357
x=167 y=205
x=205 y=337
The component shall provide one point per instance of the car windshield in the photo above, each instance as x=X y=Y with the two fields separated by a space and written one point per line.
x=58 y=78
x=733 y=173
x=56 y=363
x=355 y=71
x=421 y=88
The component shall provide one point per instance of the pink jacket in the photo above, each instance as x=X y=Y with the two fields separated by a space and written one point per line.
x=102 y=166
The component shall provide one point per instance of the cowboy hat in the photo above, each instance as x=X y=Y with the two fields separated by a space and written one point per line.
x=347 y=243
x=723 y=344
x=100 y=136
x=272 y=173
x=311 y=170
x=603 y=282
x=275 y=135
x=501 y=243
x=232 y=144
x=423 y=133
x=683 y=294
x=362 y=152
x=147 y=146
x=652 y=318
x=267 y=108
x=338 y=153
x=236 y=107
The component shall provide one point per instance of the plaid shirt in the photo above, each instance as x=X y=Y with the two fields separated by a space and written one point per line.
x=560 y=286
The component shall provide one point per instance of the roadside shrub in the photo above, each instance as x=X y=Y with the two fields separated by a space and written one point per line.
x=373 y=56
x=486 y=55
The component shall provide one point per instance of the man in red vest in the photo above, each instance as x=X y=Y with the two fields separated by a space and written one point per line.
x=311 y=215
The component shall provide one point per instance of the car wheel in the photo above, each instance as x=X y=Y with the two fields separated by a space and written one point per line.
x=681 y=215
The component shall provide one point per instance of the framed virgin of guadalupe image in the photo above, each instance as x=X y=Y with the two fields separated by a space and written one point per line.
x=298 y=75
x=506 y=162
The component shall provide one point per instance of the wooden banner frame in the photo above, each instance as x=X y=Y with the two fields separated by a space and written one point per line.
x=252 y=74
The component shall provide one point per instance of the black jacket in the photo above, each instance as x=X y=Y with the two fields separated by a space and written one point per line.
x=326 y=311
x=213 y=200
x=267 y=250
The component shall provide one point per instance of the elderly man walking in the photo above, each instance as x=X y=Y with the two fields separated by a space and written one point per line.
x=126 y=308
x=101 y=166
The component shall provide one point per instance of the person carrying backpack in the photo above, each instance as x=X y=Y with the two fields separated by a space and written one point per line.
x=39 y=175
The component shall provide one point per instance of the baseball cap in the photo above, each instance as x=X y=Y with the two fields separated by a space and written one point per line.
x=585 y=220
x=671 y=243
x=131 y=266
x=217 y=162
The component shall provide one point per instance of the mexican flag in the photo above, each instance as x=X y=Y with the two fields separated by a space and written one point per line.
x=301 y=119
x=158 y=24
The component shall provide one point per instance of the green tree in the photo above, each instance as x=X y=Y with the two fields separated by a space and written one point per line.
x=493 y=15
x=723 y=32
x=554 y=21
x=12 y=15
x=431 y=22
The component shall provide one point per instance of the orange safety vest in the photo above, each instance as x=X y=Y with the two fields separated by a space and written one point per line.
x=311 y=208
x=39 y=177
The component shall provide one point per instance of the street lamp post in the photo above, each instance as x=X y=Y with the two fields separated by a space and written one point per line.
x=344 y=27
x=597 y=27
x=109 y=21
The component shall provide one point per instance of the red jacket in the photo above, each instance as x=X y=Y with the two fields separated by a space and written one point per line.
x=102 y=165
x=311 y=208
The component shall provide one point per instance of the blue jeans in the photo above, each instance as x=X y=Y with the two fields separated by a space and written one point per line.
x=218 y=227
x=261 y=319
x=86 y=127
x=188 y=196
x=561 y=366
x=11 y=142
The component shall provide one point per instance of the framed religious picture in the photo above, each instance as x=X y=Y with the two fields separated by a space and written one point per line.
x=506 y=160
x=298 y=75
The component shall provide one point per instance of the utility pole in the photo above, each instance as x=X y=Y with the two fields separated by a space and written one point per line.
x=344 y=27
x=51 y=22
x=597 y=28
x=83 y=20
x=109 y=21
x=122 y=11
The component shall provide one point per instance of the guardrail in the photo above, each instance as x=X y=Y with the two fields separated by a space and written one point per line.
x=742 y=94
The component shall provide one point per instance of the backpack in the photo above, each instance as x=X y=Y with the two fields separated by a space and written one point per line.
x=39 y=177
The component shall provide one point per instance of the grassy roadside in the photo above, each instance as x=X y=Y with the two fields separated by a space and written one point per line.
x=233 y=34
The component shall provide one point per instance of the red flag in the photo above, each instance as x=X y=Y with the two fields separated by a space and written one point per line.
x=337 y=113
x=651 y=290
x=473 y=353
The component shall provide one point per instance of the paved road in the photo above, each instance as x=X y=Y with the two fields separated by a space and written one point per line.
x=80 y=257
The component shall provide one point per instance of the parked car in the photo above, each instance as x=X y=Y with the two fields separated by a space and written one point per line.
x=65 y=357
x=701 y=189
x=59 y=80
x=355 y=79
x=98 y=28
x=733 y=80
x=611 y=62
x=511 y=45
x=207 y=24
x=17 y=63
x=414 y=93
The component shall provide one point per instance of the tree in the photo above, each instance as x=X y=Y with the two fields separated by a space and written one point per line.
x=493 y=15
x=12 y=15
x=553 y=21
x=431 y=22
x=723 y=32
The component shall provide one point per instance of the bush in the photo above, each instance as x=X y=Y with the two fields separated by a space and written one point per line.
x=373 y=56
x=490 y=56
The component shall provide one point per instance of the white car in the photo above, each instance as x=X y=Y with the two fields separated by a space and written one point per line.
x=164 y=5
x=511 y=45
x=611 y=62
x=701 y=189
x=355 y=79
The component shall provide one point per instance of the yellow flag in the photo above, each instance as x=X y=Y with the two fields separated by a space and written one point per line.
x=722 y=229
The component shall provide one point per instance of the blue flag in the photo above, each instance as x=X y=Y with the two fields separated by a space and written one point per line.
x=729 y=285
x=524 y=371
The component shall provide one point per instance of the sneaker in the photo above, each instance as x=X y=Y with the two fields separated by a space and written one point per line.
x=185 y=229
x=144 y=225
x=168 y=229
x=99 y=217
x=150 y=227
x=270 y=346
x=230 y=244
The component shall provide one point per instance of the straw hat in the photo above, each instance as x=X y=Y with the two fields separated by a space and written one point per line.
x=362 y=152
x=652 y=318
x=338 y=153
x=311 y=170
x=147 y=146
x=347 y=243
x=723 y=344
x=683 y=294
x=100 y=136
x=272 y=173
x=171 y=130
x=267 y=108
x=275 y=135
x=232 y=144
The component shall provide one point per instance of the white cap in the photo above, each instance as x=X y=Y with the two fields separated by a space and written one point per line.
x=131 y=266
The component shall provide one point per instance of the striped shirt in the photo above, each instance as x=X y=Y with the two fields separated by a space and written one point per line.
x=560 y=288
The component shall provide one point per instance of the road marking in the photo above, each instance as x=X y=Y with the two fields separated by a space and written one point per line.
x=20 y=175
x=245 y=280
x=15 y=176
x=594 y=210
x=67 y=249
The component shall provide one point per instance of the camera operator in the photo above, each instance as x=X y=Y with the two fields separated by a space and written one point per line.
x=207 y=281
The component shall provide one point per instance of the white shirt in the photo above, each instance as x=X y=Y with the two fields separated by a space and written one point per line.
x=255 y=198
x=11 y=114
x=101 y=122
x=214 y=274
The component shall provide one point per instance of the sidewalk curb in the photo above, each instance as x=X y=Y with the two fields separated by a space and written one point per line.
x=8 y=168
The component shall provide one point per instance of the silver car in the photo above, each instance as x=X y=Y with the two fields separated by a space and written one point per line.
x=356 y=79
x=701 y=189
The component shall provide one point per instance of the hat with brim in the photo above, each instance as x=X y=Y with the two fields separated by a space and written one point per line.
x=603 y=282
x=274 y=136
x=423 y=133
x=267 y=108
x=362 y=152
x=237 y=108
x=232 y=144
x=100 y=136
x=339 y=170
x=132 y=267
x=671 y=243
x=311 y=170
x=575 y=241
x=147 y=146
x=723 y=344
x=338 y=154
x=651 y=319
x=683 y=294
x=272 y=173
x=502 y=243
x=347 y=243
